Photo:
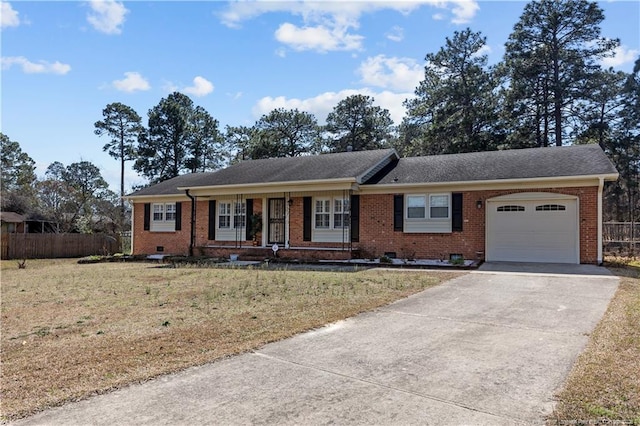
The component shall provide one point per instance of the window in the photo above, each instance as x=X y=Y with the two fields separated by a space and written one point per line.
x=439 y=206
x=323 y=214
x=340 y=213
x=511 y=208
x=224 y=215
x=158 y=212
x=550 y=207
x=164 y=212
x=239 y=215
x=416 y=207
x=170 y=212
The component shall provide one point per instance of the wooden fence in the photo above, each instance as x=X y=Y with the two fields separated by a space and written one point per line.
x=621 y=232
x=47 y=246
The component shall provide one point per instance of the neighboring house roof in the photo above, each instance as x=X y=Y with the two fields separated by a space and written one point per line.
x=12 y=217
x=530 y=163
x=357 y=166
x=383 y=167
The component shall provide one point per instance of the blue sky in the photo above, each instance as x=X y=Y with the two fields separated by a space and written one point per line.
x=63 y=62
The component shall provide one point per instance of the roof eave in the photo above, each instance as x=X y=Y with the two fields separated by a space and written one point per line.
x=255 y=188
x=495 y=183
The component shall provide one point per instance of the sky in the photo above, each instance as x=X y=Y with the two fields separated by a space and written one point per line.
x=63 y=62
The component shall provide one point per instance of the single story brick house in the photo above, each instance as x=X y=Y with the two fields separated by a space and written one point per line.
x=533 y=205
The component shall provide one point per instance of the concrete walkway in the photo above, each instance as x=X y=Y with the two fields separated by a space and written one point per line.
x=485 y=348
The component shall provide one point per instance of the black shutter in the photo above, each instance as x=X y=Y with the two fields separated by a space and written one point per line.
x=248 y=218
x=212 y=219
x=306 y=217
x=456 y=212
x=178 y=216
x=398 y=212
x=147 y=216
x=355 y=218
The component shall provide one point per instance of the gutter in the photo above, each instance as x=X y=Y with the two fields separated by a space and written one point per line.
x=192 y=237
x=473 y=183
x=270 y=185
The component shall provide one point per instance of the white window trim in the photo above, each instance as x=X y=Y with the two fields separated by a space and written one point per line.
x=448 y=207
x=332 y=212
x=406 y=209
x=242 y=208
x=344 y=214
x=163 y=213
x=227 y=213
x=328 y=213
x=231 y=214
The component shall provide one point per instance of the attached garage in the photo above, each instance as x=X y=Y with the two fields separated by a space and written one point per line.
x=533 y=227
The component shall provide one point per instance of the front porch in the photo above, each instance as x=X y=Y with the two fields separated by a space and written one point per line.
x=249 y=252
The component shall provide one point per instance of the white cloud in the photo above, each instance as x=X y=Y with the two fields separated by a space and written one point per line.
x=201 y=87
x=484 y=50
x=464 y=11
x=319 y=38
x=438 y=17
x=329 y=25
x=132 y=82
x=322 y=104
x=239 y=11
x=622 y=55
x=107 y=16
x=41 y=67
x=395 y=34
x=403 y=74
x=8 y=16
x=169 y=87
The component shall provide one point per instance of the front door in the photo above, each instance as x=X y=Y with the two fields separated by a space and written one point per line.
x=275 y=234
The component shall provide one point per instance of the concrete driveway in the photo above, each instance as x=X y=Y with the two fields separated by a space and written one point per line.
x=490 y=347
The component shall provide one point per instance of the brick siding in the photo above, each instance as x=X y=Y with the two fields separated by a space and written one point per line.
x=377 y=236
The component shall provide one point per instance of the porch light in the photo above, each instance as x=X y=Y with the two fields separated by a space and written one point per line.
x=290 y=202
x=479 y=204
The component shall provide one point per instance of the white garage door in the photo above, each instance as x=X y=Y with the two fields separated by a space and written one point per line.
x=533 y=227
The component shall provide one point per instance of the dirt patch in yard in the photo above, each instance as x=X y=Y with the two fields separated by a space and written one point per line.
x=70 y=331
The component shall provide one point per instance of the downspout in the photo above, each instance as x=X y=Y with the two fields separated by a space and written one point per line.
x=600 y=190
x=133 y=206
x=192 y=236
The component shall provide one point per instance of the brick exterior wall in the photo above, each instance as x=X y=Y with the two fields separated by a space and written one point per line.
x=147 y=242
x=377 y=236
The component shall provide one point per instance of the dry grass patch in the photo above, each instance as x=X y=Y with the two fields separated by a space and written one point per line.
x=69 y=330
x=604 y=385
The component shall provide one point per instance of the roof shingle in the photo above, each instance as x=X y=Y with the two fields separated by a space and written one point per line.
x=274 y=170
x=579 y=160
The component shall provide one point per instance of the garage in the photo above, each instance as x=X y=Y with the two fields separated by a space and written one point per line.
x=533 y=227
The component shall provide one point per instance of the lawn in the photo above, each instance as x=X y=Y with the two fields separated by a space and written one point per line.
x=604 y=385
x=69 y=331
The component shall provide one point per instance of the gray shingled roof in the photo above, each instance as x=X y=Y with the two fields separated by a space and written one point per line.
x=580 y=160
x=276 y=170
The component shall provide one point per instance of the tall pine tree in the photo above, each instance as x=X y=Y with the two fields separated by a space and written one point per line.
x=550 y=57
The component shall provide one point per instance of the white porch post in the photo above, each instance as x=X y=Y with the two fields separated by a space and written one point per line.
x=287 y=209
